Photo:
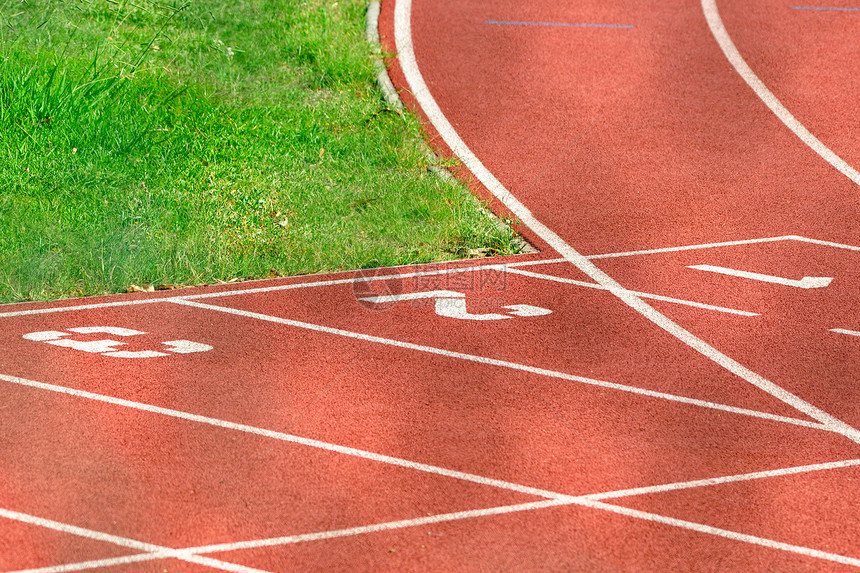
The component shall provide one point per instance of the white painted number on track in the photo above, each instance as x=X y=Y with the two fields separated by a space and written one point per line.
x=451 y=304
x=108 y=347
x=804 y=283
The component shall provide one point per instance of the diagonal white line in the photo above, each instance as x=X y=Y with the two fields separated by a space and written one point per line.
x=303 y=538
x=582 y=500
x=77 y=307
x=94 y=564
x=724 y=533
x=696 y=247
x=721 y=480
x=506 y=364
x=551 y=498
x=637 y=293
x=159 y=551
x=824 y=243
x=352 y=531
x=393 y=275
x=844 y=331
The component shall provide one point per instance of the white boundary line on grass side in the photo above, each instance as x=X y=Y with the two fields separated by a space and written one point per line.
x=721 y=35
x=396 y=275
x=159 y=551
x=409 y=65
x=478 y=513
x=309 y=284
x=504 y=364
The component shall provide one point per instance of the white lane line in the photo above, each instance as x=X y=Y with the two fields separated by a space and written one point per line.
x=637 y=293
x=721 y=480
x=447 y=517
x=844 y=331
x=724 y=533
x=391 y=274
x=415 y=296
x=159 y=551
x=304 y=538
x=825 y=243
x=701 y=246
x=691 y=247
x=353 y=531
x=507 y=364
x=289 y=438
x=712 y=14
x=51 y=310
x=94 y=564
x=409 y=65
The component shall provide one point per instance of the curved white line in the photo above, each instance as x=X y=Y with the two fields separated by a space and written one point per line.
x=406 y=55
x=709 y=7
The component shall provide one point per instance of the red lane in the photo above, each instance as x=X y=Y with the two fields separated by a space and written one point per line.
x=492 y=421
x=808 y=59
x=618 y=139
x=623 y=139
x=161 y=566
x=559 y=539
x=584 y=335
x=179 y=483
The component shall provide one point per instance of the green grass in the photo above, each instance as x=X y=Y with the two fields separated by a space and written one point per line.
x=157 y=142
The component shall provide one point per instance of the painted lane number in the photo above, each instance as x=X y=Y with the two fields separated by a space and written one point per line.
x=452 y=304
x=108 y=347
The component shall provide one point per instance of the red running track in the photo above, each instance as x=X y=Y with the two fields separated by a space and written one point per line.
x=513 y=414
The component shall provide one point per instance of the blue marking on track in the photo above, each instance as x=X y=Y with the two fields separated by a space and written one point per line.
x=558 y=24
x=825 y=8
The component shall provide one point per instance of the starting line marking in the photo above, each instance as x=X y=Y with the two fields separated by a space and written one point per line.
x=551 y=498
